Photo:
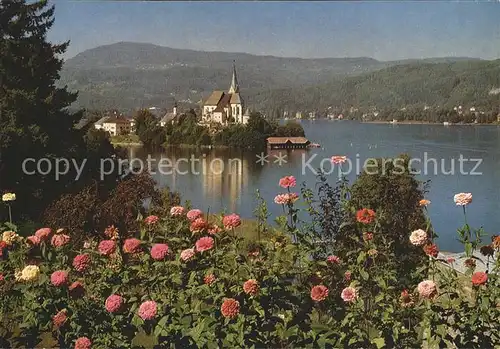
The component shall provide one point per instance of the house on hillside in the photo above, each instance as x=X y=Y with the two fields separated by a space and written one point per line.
x=225 y=107
x=169 y=117
x=116 y=125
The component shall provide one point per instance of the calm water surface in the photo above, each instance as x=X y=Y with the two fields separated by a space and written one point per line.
x=229 y=183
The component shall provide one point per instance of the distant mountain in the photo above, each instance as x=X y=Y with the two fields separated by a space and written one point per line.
x=129 y=75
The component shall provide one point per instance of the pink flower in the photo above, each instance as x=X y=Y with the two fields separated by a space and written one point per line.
x=367 y=236
x=333 y=259
x=151 y=220
x=59 y=240
x=59 y=278
x=132 y=245
x=462 y=199
x=83 y=343
x=204 y=244
x=81 y=262
x=338 y=159
x=347 y=276
x=427 y=289
x=214 y=229
x=34 y=240
x=187 y=254
x=159 y=251
x=60 y=318
x=147 y=310
x=349 y=294
x=107 y=247
x=177 y=211
x=230 y=308
x=113 y=303
x=251 y=287
x=319 y=293
x=231 y=221
x=209 y=279
x=418 y=237
x=43 y=233
x=198 y=225
x=193 y=214
x=288 y=182
x=287 y=198
x=450 y=260
x=2 y=277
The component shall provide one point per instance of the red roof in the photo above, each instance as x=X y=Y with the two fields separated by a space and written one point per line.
x=283 y=140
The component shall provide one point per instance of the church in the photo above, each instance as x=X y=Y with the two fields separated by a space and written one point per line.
x=226 y=107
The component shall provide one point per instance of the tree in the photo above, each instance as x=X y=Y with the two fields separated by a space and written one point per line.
x=34 y=117
x=150 y=132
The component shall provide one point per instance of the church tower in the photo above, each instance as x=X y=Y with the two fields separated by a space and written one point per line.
x=234 y=88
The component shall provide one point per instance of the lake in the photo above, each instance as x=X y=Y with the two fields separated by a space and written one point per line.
x=467 y=159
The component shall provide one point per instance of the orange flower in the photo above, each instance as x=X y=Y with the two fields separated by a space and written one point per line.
x=479 y=278
x=319 y=293
x=365 y=216
x=424 y=202
x=230 y=308
x=251 y=287
x=495 y=241
x=431 y=250
x=338 y=159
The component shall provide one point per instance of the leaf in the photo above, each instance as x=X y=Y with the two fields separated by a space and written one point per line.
x=379 y=342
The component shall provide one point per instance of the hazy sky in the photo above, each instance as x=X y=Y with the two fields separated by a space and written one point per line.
x=382 y=30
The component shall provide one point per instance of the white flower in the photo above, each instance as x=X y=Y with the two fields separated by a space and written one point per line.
x=462 y=199
x=8 y=197
x=418 y=237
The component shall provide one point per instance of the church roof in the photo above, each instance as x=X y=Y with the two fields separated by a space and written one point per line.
x=234 y=88
x=168 y=117
x=214 y=98
x=235 y=98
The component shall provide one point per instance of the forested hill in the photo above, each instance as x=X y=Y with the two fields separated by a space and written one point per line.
x=134 y=75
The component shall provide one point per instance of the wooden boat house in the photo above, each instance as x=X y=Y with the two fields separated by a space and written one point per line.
x=287 y=143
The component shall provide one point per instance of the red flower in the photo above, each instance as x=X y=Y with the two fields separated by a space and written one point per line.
x=59 y=278
x=59 y=240
x=83 y=343
x=230 y=308
x=151 y=220
x=204 y=244
x=231 y=221
x=479 y=278
x=60 y=318
x=198 y=225
x=81 y=262
x=113 y=303
x=107 y=247
x=209 y=279
x=159 y=251
x=333 y=259
x=365 y=216
x=43 y=233
x=251 y=287
x=431 y=250
x=338 y=159
x=288 y=182
x=132 y=245
x=367 y=236
x=319 y=293
x=347 y=276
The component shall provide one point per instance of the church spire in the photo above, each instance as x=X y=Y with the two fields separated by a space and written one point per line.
x=235 y=88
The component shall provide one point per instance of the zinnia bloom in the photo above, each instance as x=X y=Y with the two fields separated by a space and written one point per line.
x=59 y=240
x=406 y=299
x=204 y=244
x=150 y=220
x=349 y=294
x=29 y=273
x=112 y=232
x=107 y=247
x=230 y=308
x=159 y=251
x=43 y=233
x=367 y=236
x=288 y=182
x=431 y=250
x=187 y=254
x=214 y=229
x=462 y=199
x=8 y=197
x=251 y=287
x=365 y=216
x=60 y=318
x=33 y=240
x=198 y=225
x=209 y=279
x=132 y=245
x=470 y=263
x=10 y=237
x=59 y=278
x=147 y=310
x=113 y=303
x=495 y=241
x=479 y=278
x=347 y=276
x=450 y=260
x=285 y=199
x=418 y=237
x=333 y=259
x=424 y=202
x=193 y=214
x=81 y=262
x=83 y=343
x=337 y=159
x=319 y=293
x=427 y=289
x=231 y=221
x=177 y=211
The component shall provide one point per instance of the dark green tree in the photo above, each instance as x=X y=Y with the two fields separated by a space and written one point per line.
x=150 y=132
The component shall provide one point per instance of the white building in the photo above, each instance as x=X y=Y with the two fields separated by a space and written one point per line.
x=225 y=107
x=169 y=117
x=115 y=125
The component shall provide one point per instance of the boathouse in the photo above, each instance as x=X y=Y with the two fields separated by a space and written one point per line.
x=287 y=143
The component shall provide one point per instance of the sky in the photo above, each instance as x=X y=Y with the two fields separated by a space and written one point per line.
x=382 y=30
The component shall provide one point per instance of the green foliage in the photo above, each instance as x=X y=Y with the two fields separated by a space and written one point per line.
x=150 y=133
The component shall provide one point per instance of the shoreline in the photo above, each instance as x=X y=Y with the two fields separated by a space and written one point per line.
x=414 y=122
